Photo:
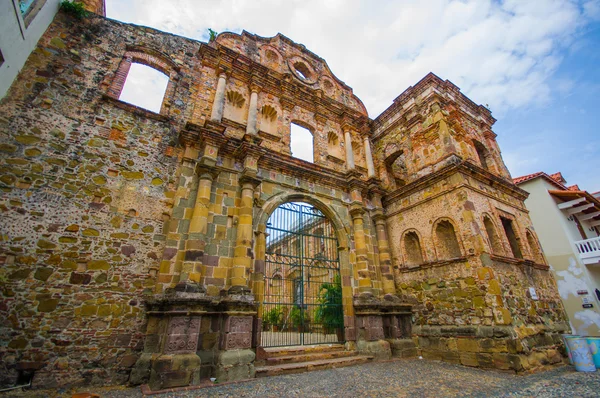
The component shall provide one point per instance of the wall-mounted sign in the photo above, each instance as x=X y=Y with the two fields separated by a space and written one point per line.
x=588 y=305
x=580 y=292
x=586 y=300
x=533 y=294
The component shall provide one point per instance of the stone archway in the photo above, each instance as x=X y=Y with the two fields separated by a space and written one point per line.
x=263 y=265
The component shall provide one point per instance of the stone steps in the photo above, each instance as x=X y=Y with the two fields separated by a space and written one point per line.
x=288 y=360
x=302 y=349
x=309 y=357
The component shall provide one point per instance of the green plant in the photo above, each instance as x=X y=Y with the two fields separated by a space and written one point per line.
x=212 y=35
x=74 y=8
x=297 y=317
x=274 y=316
x=329 y=312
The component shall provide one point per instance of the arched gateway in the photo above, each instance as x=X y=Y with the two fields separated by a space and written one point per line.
x=302 y=297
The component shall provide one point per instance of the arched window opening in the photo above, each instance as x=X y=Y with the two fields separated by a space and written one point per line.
x=412 y=249
x=493 y=238
x=145 y=87
x=482 y=153
x=395 y=166
x=448 y=246
x=512 y=237
x=301 y=143
x=268 y=121
x=535 y=248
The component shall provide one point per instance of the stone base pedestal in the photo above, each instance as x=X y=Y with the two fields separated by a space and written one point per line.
x=383 y=327
x=190 y=337
x=168 y=371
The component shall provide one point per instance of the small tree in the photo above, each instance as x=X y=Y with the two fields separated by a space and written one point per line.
x=212 y=35
x=329 y=312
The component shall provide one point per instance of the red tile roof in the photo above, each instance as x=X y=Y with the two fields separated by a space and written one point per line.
x=527 y=177
x=556 y=179
x=574 y=188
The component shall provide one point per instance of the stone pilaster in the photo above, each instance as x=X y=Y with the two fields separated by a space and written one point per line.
x=360 y=246
x=219 y=101
x=242 y=260
x=369 y=156
x=349 y=152
x=385 y=258
x=252 y=111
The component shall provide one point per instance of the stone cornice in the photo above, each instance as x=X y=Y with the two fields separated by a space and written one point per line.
x=456 y=165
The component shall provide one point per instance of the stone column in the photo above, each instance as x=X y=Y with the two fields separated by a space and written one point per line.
x=385 y=259
x=242 y=261
x=362 y=262
x=349 y=152
x=219 y=102
x=252 y=112
x=370 y=164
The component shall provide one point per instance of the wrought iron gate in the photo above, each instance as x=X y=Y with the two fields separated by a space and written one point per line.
x=303 y=292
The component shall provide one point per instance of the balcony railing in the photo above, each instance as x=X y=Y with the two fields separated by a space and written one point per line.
x=589 y=250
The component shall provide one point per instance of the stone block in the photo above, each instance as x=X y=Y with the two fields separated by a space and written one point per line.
x=467 y=345
x=469 y=359
x=379 y=349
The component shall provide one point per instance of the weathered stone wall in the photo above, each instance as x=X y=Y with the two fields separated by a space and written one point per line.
x=472 y=300
x=86 y=188
x=133 y=237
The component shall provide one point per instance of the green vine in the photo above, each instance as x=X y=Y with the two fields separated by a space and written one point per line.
x=74 y=9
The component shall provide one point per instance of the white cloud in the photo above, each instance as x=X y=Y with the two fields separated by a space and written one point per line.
x=499 y=53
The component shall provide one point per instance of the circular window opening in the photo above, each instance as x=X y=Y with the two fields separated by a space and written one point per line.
x=302 y=71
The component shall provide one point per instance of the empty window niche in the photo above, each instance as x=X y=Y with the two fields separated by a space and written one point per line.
x=412 y=249
x=301 y=143
x=395 y=166
x=482 y=153
x=145 y=87
x=493 y=237
x=535 y=248
x=234 y=107
x=448 y=246
x=333 y=145
x=507 y=224
x=268 y=119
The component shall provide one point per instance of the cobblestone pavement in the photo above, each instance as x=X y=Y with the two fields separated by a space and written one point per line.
x=402 y=378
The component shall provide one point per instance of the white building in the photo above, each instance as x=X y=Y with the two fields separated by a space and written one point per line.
x=567 y=222
x=22 y=23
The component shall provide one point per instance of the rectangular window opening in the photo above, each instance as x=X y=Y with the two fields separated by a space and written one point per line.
x=145 y=87
x=301 y=143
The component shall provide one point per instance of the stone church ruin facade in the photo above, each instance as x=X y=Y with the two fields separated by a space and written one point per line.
x=135 y=245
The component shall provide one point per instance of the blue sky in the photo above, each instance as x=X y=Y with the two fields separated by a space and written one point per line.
x=534 y=63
